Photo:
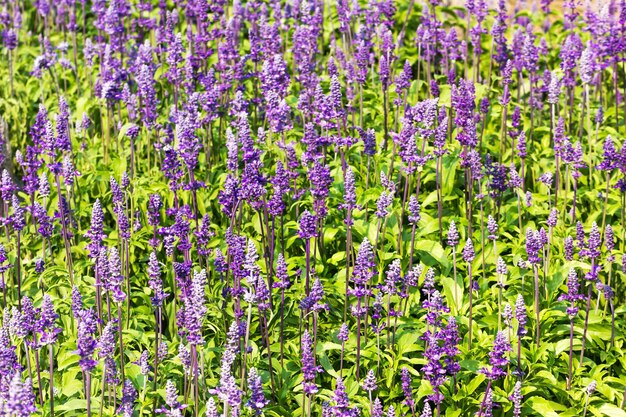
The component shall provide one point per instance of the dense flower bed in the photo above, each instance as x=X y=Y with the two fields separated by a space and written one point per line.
x=310 y=208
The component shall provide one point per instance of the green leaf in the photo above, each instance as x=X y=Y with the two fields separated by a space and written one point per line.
x=544 y=407
x=453 y=292
x=432 y=249
x=611 y=410
x=75 y=404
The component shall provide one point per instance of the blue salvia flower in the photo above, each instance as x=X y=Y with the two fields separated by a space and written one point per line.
x=253 y=272
x=143 y=363
x=106 y=351
x=609 y=242
x=517 y=398
x=382 y=204
x=533 y=246
x=211 y=408
x=280 y=183
x=96 y=230
x=451 y=339
x=349 y=195
x=362 y=273
x=377 y=408
x=507 y=315
x=257 y=400
x=501 y=267
x=314 y=301
x=369 y=383
x=20 y=400
x=593 y=243
x=27 y=323
x=8 y=357
x=154 y=209
x=40 y=264
x=116 y=279
x=487 y=405
x=342 y=406
x=129 y=396
x=282 y=282
x=228 y=390
x=573 y=296
x=568 y=248
x=580 y=235
x=195 y=308
x=47 y=322
x=388 y=183
x=309 y=369
x=6 y=186
x=184 y=356
x=414 y=210
x=406 y=388
x=171 y=400
x=553 y=217
x=520 y=315
x=203 y=236
x=17 y=218
x=363 y=267
x=344 y=333
x=155 y=283
x=85 y=340
x=497 y=357
x=468 y=251
x=69 y=172
x=369 y=141
x=44 y=186
x=308 y=228
x=77 y=303
x=393 y=278
x=492 y=228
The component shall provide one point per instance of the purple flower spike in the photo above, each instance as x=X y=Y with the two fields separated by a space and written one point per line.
x=344 y=333
x=517 y=398
x=342 y=403
x=257 y=399
x=520 y=315
x=309 y=369
x=414 y=210
x=155 y=282
x=427 y=411
x=382 y=205
x=453 y=234
x=501 y=267
x=497 y=357
x=406 y=388
x=533 y=246
x=369 y=383
x=569 y=248
x=377 y=408
x=129 y=396
x=20 y=400
x=573 y=296
x=308 y=228
x=594 y=242
x=492 y=228
x=468 y=251
x=85 y=340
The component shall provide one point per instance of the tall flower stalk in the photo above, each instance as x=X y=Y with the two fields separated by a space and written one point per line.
x=468 y=256
x=572 y=296
x=453 y=241
x=592 y=252
x=533 y=249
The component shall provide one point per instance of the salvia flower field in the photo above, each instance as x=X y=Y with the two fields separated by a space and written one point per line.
x=312 y=208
